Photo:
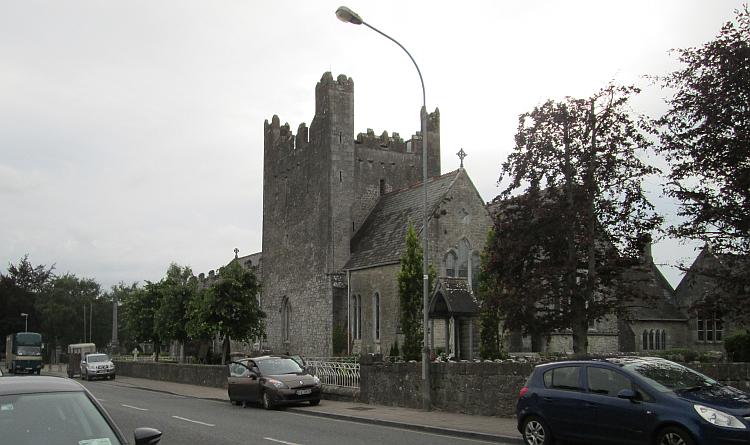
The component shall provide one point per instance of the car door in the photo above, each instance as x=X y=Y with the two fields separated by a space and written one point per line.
x=612 y=417
x=253 y=382
x=237 y=382
x=561 y=400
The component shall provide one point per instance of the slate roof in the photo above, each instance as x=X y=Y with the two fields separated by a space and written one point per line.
x=657 y=302
x=452 y=297
x=380 y=240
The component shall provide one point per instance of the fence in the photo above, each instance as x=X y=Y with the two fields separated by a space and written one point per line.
x=335 y=371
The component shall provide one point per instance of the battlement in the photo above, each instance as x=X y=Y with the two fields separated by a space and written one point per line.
x=342 y=82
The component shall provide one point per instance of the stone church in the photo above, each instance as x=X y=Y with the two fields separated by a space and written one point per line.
x=336 y=207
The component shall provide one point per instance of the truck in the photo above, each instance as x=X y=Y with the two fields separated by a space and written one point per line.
x=23 y=353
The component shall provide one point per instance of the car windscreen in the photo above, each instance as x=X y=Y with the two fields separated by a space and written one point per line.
x=277 y=366
x=97 y=358
x=667 y=376
x=62 y=418
x=29 y=350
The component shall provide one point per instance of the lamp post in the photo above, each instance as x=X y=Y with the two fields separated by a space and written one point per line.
x=26 y=321
x=348 y=16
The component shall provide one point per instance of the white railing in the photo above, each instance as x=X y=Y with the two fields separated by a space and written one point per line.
x=336 y=373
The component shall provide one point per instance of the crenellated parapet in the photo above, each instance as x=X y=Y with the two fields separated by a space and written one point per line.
x=382 y=142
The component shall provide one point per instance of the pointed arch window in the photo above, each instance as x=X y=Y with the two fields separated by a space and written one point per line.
x=450 y=264
x=464 y=252
x=356 y=323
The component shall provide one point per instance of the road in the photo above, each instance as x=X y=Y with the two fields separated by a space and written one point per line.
x=186 y=420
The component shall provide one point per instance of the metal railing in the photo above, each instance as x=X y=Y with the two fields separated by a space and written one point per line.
x=335 y=372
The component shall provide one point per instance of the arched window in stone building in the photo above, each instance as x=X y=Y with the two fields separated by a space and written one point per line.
x=663 y=339
x=464 y=252
x=657 y=339
x=286 y=320
x=450 y=263
x=474 y=277
x=376 y=316
x=651 y=339
x=644 y=341
x=356 y=313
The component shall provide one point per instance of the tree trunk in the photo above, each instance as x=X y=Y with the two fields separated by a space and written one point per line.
x=182 y=352
x=225 y=350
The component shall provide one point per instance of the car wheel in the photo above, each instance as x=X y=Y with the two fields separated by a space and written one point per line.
x=266 y=401
x=536 y=432
x=674 y=436
x=314 y=402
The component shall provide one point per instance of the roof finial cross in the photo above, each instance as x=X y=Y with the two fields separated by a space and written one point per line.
x=461 y=155
x=236 y=251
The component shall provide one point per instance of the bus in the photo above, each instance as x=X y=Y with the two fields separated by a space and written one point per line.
x=23 y=352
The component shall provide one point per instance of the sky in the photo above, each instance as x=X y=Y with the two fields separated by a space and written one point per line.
x=131 y=132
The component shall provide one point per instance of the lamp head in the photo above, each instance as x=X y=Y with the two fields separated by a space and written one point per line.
x=348 y=16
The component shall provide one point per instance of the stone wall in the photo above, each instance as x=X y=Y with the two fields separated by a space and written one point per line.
x=204 y=375
x=733 y=374
x=488 y=389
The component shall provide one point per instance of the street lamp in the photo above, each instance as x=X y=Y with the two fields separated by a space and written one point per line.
x=26 y=320
x=348 y=16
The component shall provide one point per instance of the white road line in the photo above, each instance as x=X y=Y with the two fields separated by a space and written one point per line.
x=194 y=421
x=134 y=407
x=280 y=441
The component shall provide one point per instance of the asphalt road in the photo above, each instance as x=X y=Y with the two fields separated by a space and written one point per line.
x=186 y=420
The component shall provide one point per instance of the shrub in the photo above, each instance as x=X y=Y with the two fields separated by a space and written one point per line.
x=738 y=347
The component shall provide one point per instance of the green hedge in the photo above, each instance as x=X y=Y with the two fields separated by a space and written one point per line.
x=738 y=347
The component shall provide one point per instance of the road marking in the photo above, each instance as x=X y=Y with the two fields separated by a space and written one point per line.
x=280 y=441
x=194 y=421
x=134 y=407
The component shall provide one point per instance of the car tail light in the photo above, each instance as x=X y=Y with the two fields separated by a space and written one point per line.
x=523 y=391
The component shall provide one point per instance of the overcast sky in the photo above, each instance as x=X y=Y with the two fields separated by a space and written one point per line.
x=131 y=132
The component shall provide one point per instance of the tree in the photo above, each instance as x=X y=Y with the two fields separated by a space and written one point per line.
x=410 y=292
x=523 y=265
x=61 y=309
x=229 y=307
x=19 y=289
x=583 y=161
x=178 y=288
x=705 y=136
x=139 y=313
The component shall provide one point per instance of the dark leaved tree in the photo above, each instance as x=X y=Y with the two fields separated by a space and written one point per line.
x=705 y=136
x=581 y=159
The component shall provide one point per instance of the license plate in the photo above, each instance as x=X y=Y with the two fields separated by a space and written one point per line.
x=302 y=392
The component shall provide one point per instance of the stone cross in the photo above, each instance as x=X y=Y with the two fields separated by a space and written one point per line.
x=236 y=251
x=461 y=155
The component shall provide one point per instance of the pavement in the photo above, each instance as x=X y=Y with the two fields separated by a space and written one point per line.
x=493 y=429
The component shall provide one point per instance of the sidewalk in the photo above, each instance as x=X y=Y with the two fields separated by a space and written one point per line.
x=495 y=429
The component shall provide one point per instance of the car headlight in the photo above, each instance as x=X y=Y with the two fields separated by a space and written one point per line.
x=277 y=383
x=316 y=380
x=718 y=418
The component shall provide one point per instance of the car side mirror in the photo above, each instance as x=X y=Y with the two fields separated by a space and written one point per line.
x=252 y=375
x=146 y=436
x=628 y=394
x=308 y=370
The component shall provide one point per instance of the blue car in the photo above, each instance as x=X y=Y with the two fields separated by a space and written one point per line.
x=630 y=400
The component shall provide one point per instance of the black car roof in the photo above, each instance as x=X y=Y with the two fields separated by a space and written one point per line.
x=37 y=384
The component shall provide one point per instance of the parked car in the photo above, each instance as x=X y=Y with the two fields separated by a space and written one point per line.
x=97 y=365
x=630 y=400
x=58 y=411
x=271 y=381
